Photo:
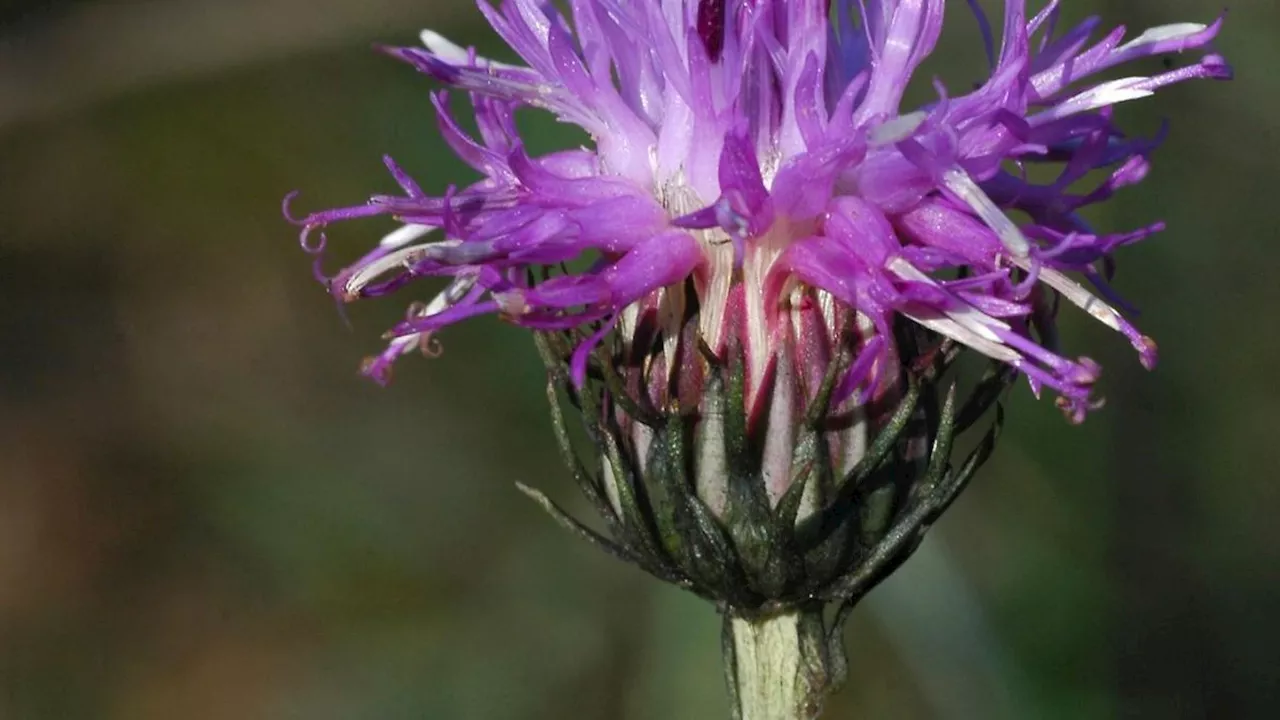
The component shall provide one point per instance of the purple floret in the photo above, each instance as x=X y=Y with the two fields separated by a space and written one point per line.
x=757 y=150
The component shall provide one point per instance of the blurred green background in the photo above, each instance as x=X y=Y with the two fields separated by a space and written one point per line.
x=205 y=513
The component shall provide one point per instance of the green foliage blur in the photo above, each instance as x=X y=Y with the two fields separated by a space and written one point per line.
x=205 y=513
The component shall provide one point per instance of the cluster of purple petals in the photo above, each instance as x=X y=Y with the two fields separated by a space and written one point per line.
x=763 y=143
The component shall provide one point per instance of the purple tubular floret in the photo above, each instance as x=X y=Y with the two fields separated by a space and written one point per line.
x=763 y=142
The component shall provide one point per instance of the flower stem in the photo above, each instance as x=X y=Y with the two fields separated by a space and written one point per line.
x=777 y=665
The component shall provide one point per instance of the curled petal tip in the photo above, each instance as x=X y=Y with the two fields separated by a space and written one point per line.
x=313 y=247
x=287 y=210
x=430 y=346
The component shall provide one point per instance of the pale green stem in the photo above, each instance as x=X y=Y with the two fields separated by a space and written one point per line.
x=780 y=669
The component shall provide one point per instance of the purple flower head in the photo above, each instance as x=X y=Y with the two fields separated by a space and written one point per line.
x=752 y=159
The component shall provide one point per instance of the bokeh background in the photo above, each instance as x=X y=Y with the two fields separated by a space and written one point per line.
x=204 y=513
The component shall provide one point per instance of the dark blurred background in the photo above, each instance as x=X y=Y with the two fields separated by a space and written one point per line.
x=205 y=513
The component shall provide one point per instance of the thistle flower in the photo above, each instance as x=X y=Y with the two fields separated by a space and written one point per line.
x=744 y=283
x=759 y=147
